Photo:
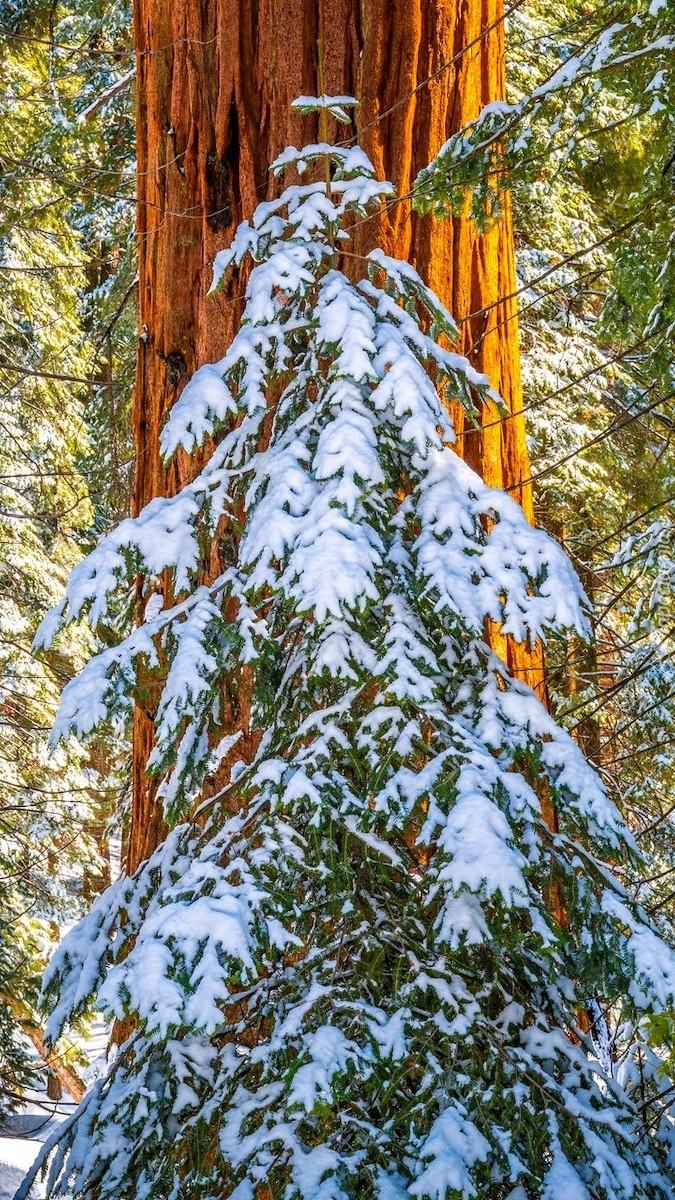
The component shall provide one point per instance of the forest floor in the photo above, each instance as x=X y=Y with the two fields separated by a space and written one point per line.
x=23 y=1133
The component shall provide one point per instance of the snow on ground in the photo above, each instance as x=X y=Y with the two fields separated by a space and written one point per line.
x=22 y=1134
x=16 y=1156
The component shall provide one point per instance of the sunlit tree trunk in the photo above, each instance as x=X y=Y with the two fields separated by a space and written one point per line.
x=214 y=84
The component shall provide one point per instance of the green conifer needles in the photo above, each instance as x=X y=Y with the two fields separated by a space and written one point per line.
x=344 y=976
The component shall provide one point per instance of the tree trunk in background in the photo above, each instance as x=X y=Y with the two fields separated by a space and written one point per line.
x=214 y=84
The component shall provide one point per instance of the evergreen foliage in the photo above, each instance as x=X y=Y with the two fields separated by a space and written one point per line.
x=362 y=967
x=586 y=143
x=51 y=252
x=599 y=377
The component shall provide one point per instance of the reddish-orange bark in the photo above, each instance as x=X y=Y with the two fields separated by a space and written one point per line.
x=214 y=86
x=66 y=1075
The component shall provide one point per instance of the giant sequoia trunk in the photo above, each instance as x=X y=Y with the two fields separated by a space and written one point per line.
x=214 y=85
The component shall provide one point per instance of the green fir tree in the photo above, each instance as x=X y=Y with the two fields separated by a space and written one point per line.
x=362 y=968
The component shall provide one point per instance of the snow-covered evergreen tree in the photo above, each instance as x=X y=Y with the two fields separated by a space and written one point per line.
x=362 y=967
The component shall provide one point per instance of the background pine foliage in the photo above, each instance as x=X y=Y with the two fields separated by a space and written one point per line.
x=64 y=462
